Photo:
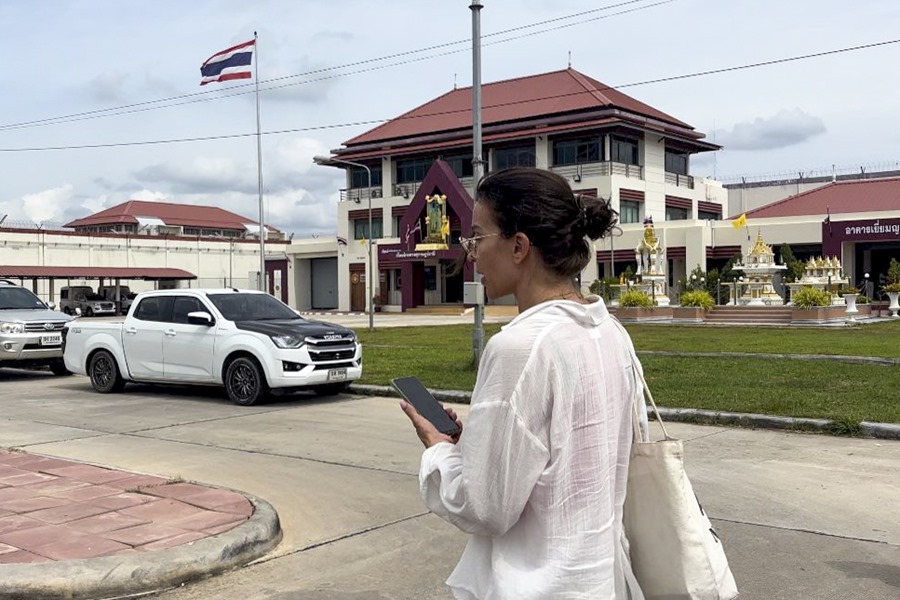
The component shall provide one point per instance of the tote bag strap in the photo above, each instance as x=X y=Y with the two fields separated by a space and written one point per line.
x=639 y=376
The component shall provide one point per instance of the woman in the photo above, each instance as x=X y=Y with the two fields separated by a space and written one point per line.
x=538 y=477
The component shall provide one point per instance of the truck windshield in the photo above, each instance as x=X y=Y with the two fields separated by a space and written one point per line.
x=18 y=299
x=251 y=307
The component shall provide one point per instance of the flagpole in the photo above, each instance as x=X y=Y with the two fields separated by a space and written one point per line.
x=262 y=222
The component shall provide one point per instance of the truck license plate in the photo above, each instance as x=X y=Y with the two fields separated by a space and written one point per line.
x=337 y=374
x=51 y=340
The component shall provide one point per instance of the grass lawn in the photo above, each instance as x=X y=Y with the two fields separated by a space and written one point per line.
x=441 y=357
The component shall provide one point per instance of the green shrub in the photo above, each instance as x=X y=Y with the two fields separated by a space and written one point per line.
x=893 y=277
x=807 y=297
x=698 y=299
x=635 y=299
x=862 y=299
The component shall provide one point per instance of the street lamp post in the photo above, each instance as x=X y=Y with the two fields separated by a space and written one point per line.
x=326 y=161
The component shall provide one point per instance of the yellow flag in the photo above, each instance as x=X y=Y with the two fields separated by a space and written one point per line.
x=741 y=221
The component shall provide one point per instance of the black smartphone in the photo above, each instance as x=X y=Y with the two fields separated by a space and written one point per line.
x=415 y=393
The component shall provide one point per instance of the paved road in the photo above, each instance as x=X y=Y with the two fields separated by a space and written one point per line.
x=803 y=517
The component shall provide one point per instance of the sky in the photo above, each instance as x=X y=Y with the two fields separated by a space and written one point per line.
x=85 y=57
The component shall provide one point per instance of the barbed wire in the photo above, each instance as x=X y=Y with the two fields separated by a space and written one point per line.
x=26 y=224
x=861 y=171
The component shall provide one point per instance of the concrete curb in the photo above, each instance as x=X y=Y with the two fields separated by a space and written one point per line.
x=858 y=360
x=887 y=431
x=132 y=573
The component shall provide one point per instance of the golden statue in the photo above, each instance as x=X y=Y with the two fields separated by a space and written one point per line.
x=648 y=254
x=436 y=223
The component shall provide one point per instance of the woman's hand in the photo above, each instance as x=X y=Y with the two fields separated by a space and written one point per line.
x=427 y=432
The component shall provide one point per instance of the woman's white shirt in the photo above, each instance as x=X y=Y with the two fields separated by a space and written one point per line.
x=538 y=477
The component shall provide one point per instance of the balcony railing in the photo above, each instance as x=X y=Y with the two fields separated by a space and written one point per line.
x=359 y=194
x=407 y=190
x=599 y=169
x=680 y=180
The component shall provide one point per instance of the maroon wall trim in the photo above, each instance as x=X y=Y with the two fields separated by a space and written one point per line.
x=633 y=195
x=676 y=202
x=709 y=207
x=364 y=214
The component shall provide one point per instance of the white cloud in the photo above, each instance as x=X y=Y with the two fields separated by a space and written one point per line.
x=48 y=204
x=150 y=196
x=95 y=205
x=108 y=87
x=786 y=128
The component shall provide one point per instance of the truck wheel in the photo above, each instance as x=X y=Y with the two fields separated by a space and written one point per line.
x=245 y=382
x=331 y=389
x=104 y=373
x=89 y=312
x=58 y=367
x=67 y=310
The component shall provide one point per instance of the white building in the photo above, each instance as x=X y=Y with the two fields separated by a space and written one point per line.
x=602 y=141
x=144 y=245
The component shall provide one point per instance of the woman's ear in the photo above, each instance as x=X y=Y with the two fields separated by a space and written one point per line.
x=521 y=248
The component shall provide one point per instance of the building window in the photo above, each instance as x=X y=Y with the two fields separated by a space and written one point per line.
x=461 y=165
x=520 y=156
x=708 y=216
x=412 y=170
x=396 y=231
x=359 y=177
x=623 y=150
x=629 y=211
x=677 y=214
x=361 y=229
x=430 y=279
x=573 y=152
x=676 y=162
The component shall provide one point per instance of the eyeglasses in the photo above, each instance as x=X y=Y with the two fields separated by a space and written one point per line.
x=470 y=245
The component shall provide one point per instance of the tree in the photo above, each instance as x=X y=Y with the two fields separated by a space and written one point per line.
x=795 y=268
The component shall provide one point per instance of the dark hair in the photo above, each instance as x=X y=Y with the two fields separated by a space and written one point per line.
x=542 y=205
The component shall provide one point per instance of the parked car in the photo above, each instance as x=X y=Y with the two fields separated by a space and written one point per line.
x=30 y=331
x=126 y=296
x=247 y=341
x=84 y=298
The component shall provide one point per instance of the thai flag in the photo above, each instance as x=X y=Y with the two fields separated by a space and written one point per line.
x=233 y=63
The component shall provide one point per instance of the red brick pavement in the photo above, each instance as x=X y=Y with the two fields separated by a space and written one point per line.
x=53 y=509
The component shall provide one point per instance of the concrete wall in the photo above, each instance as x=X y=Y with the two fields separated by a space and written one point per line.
x=216 y=263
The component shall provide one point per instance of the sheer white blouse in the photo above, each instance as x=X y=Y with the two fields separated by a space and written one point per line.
x=538 y=477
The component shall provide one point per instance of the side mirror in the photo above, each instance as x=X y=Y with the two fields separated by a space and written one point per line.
x=51 y=305
x=200 y=318
x=77 y=312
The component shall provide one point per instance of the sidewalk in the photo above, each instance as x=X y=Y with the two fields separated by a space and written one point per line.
x=63 y=512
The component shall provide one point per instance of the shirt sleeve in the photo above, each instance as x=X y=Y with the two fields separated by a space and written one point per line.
x=482 y=484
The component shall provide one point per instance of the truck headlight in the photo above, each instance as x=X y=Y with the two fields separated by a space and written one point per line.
x=7 y=327
x=288 y=341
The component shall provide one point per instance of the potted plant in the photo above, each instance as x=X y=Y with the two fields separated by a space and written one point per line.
x=635 y=305
x=377 y=301
x=892 y=289
x=694 y=304
x=811 y=304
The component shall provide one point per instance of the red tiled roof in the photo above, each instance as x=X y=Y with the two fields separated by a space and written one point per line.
x=870 y=195
x=29 y=272
x=177 y=215
x=514 y=99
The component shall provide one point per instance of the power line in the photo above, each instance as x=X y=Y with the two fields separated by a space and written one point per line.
x=464 y=110
x=213 y=94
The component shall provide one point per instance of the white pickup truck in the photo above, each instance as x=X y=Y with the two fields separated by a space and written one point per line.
x=247 y=341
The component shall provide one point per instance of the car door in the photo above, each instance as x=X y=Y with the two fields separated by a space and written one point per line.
x=142 y=338
x=188 y=349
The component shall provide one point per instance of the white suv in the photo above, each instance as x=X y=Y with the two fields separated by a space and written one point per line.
x=30 y=331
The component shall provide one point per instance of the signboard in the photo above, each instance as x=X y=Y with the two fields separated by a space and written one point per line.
x=396 y=253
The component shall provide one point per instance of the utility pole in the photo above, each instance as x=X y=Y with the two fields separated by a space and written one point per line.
x=477 y=165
